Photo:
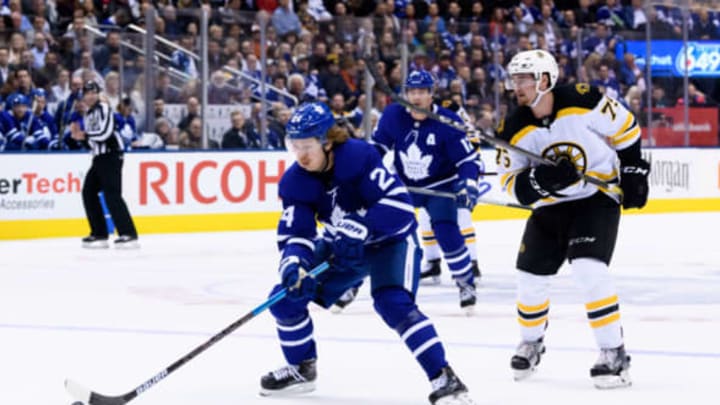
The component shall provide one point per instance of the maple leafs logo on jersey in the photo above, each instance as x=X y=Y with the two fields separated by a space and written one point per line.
x=415 y=164
x=337 y=215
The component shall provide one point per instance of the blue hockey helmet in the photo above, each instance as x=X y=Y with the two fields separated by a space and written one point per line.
x=39 y=92
x=16 y=99
x=310 y=120
x=420 y=79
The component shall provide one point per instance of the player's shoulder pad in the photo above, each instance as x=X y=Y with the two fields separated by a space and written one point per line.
x=579 y=95
x=353 y=158
x=521 y=118
x=297 y=184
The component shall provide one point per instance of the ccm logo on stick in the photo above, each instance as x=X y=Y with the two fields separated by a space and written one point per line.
x=232 y=181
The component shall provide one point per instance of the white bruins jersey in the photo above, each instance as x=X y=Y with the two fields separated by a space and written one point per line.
x=584 y=126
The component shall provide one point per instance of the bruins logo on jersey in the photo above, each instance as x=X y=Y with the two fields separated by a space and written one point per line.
x=567 y=150
x=582 y=88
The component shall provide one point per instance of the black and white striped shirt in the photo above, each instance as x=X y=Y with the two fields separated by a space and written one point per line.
x=102 y=136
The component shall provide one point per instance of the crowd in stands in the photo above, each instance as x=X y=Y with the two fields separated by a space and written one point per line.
x=48 y=48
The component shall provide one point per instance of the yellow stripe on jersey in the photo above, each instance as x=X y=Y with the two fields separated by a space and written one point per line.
x=603 y=176
x=428 y=233
x=592 y=306
x=429 y=242
x=467 y=231
x=625 y=127
x=605 y=321
x=521 y=134
x=630 y=136
x=571 y=111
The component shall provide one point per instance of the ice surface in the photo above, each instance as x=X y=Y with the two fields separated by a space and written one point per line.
x=112 y=319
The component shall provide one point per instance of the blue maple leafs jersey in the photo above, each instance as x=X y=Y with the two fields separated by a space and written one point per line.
x=28 y=130
x=427 y=153
x=359 y=184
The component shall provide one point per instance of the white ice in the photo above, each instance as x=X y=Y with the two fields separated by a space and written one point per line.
x=112 y=319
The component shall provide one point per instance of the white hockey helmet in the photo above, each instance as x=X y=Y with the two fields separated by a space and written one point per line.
x=535 y=62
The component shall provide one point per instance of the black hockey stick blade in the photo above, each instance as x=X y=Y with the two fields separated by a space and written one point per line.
x=88 y=397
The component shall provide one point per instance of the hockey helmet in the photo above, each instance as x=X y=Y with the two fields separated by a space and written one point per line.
x=16 y=99
x=535 y=62
x=420 y=79
x=310 y=120
x=91 y=85
x=39 y=92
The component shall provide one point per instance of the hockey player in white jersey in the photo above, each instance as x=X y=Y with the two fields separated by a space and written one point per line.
x=581 y=131
x=431 y=155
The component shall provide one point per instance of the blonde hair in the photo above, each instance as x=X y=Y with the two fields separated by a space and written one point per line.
x=338 y=135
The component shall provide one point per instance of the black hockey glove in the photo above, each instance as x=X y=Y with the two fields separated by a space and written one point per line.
x=634 y=183
x=546 y=179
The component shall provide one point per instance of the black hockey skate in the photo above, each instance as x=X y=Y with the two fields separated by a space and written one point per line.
x=290 y=380
x=468 y=297
x=475 y=269
x=126 y=242
x=433 y=273
x=611 y=369
x=95 y=242
x=345 y=300
x=449 y=390
x=526 y=359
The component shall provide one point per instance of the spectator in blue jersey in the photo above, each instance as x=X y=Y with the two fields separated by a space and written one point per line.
x=66 y=107
x=432 y=157
x=125 y=123
x=39 y=110
x=369 y=228
x=20 y=128
x=608 y=85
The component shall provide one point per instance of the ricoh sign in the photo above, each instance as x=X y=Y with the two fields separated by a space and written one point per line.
x=49 y=186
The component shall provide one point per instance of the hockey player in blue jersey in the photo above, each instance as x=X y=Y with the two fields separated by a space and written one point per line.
x=370 y=222
x=20 y=128
x=436 y=157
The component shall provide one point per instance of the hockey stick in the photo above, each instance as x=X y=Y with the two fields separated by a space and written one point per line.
x=93 y=398
x=490 y=201
x=369 y=64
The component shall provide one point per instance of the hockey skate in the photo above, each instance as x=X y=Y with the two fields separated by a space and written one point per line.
x=95 y=242
x=526 y=359
x=611 y=369
x=433 y=272
x=344 y=300
x=468 y=297
x=126 y=242
x=475 y=269
x=290 y=380
x=449 y=390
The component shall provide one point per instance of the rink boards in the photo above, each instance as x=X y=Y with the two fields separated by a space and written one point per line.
x=40 y=194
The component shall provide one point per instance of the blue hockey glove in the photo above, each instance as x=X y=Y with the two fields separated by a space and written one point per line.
x=349 y=243
x=468 y=193
x=299 y=285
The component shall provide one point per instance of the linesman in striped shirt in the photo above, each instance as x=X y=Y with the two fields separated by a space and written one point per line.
x=98 y=131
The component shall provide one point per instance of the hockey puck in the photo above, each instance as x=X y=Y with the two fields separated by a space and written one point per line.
x=77 y=403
